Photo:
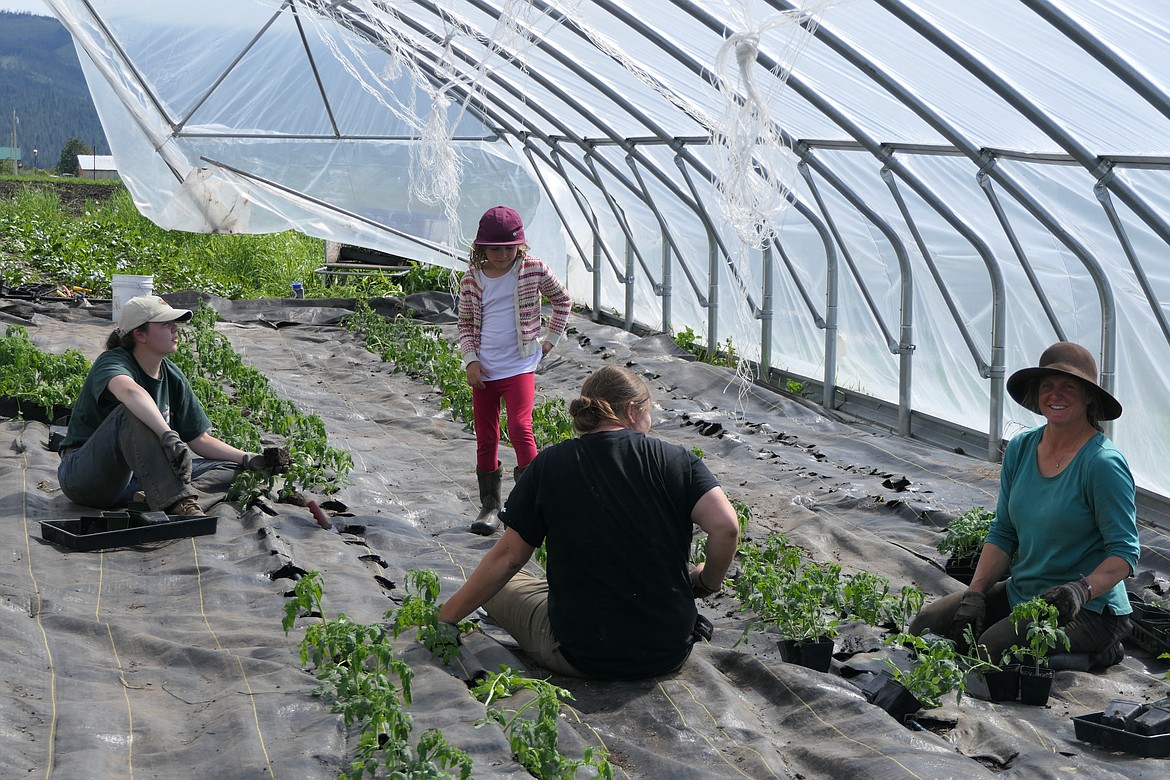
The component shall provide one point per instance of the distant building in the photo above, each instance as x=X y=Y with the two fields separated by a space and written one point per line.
x=7 y=153
x=97 y=166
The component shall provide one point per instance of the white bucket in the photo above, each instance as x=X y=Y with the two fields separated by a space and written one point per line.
x=127 y=286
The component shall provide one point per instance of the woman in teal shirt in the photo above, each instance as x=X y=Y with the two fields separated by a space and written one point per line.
x=1065 y=524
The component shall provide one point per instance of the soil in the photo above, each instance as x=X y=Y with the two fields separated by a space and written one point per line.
x=74 y=193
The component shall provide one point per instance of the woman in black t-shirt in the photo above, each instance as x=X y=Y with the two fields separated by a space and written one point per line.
x=616 y=510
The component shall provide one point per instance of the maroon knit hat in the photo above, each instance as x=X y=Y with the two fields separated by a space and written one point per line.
x=500 y=226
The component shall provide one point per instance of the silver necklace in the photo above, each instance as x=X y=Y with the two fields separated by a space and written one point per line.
x=1077 y=442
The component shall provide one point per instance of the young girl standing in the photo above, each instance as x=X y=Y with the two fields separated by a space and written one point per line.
x=500 y=341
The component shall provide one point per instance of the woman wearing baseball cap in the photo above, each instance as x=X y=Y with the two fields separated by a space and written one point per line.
x=1065 y=524
x=136 y=421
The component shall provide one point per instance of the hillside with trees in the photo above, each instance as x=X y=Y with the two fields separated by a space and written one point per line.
x=41 y=80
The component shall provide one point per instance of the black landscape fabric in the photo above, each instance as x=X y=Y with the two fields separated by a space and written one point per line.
x=169 y=660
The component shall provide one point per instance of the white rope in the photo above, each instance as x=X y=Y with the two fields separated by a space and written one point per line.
x=755 y=170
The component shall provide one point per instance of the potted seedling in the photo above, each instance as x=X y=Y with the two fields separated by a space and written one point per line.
x=804 y=618
x=934 y=673
x=793 y=596
x=1003 y=681
x=867 y=597
x=963 y=541
x=1038 y=619
x=938 y=668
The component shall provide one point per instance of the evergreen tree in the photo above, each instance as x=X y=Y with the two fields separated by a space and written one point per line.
x=68 y=161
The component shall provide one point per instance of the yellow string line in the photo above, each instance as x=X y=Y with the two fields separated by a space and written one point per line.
x=126 y=696
x=97 y=608
x=683 y=722
x=715 y=723
x=823 y=722
x=588 y=725
x=239 y=661
x=40 y=626
x=1039 y=736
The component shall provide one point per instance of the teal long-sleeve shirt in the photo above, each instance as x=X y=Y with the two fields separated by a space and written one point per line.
x=1057 y=528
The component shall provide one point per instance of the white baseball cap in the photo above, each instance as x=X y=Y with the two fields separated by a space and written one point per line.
x=136 y=312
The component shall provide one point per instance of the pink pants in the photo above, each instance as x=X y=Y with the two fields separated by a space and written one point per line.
x=517 y=393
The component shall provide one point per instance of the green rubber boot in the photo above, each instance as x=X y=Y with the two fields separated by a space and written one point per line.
x=488 y=520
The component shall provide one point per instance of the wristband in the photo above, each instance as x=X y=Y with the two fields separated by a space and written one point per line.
x=1084 y=581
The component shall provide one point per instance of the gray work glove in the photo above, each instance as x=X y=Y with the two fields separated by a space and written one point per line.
x=178 y=454
x=274 y=460
x=1068 y=600
x=971 y=612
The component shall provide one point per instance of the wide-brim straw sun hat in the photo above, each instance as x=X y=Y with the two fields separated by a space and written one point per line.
x=1064 y=357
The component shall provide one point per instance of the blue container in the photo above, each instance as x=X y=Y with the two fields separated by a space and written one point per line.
x=298 y=290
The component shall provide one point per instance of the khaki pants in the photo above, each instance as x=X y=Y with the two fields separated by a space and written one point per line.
x=521 y=609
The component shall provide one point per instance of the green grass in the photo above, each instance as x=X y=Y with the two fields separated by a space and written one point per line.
x=44 y=242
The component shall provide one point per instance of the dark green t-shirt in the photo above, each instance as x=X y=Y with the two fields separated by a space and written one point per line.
x=171 y=393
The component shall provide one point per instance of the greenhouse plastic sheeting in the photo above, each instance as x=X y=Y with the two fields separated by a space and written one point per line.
x=169 y=660
x=900 y=201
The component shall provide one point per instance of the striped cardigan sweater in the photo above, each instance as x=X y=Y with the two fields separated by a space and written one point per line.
x=533 y=279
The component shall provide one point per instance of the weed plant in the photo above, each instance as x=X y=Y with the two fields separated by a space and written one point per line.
x=689 y=341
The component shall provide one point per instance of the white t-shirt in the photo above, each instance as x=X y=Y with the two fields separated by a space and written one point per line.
x=499 y=340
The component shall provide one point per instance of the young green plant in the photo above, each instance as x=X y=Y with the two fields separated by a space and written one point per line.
x=534 y=739
x=1038 y=620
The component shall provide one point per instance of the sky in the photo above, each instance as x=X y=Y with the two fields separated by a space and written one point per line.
x=32 y=6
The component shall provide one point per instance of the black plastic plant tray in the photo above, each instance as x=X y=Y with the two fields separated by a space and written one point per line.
x=1089 y=728
x=95 y=533
x=1151 y=638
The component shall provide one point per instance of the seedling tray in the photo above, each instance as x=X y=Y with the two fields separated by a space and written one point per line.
x=1151 y=626
x=123 y=529
x=1089 y=728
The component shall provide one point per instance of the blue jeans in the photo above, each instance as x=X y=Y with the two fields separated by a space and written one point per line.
x=122 y=457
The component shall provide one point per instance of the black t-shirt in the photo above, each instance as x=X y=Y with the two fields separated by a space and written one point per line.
x=615 y=507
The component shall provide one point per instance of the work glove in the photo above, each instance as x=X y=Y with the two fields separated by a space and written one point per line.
x=1068 y=600
x=178 y=454
x=273 y=460
x=971 y=611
